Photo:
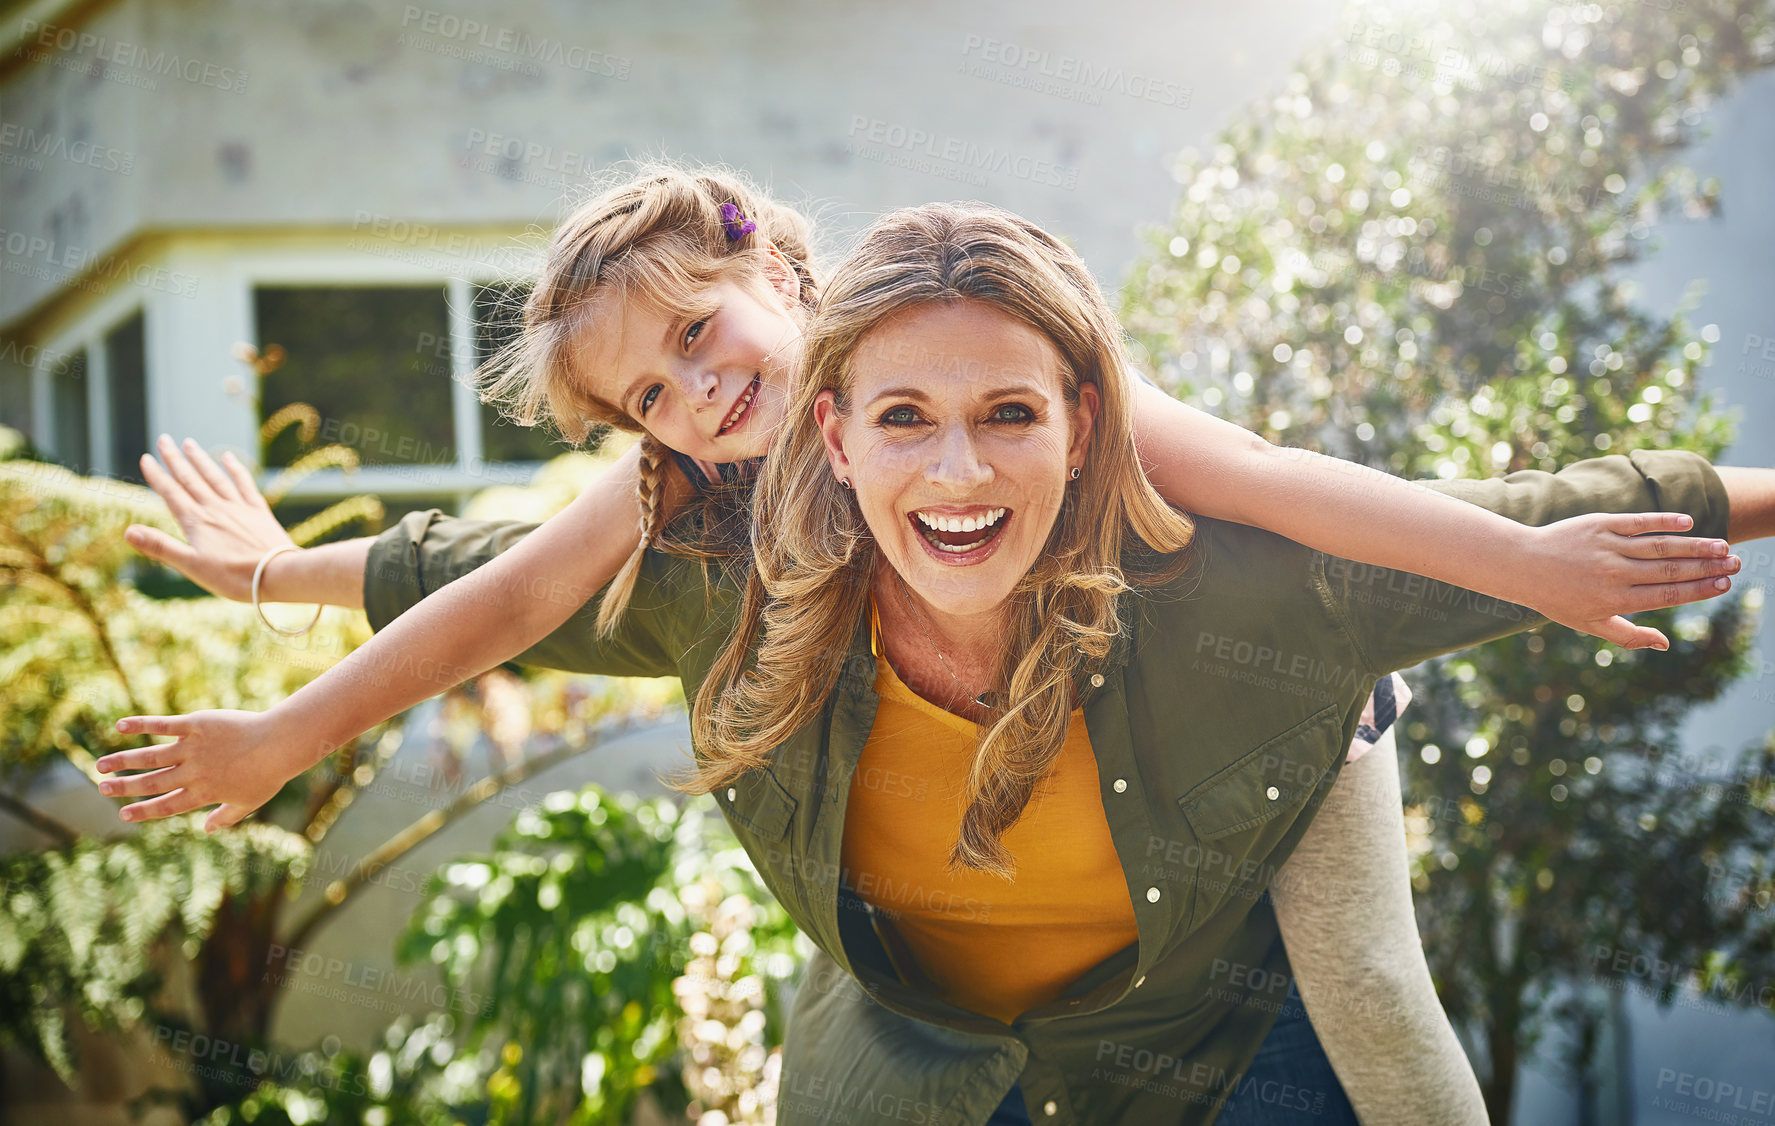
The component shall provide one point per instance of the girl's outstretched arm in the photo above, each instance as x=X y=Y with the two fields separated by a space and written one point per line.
x=240 y=759
x=1582 y=572
x=1343 y=901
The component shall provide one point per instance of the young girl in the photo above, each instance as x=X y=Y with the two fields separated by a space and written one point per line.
x=674 y=305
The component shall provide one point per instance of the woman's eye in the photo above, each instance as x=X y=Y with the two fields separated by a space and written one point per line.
x=648 y=396
x=1013 y=412
x=694 y=331
x=899 y=416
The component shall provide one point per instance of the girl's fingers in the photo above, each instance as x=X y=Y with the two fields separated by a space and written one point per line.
x=224 y=816
x=211 y=472
x=1629 y=636
x=155 y=725
x=167 y=805
x=1676 y=594
x=1648 y=573
x=142 y=758
x=1639 y=523
x=141 y=785
x=1673 y=547
x=243 y=480
x=191 y=479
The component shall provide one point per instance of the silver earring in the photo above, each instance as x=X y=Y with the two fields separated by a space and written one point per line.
x=1075 y=473
x=845 y=481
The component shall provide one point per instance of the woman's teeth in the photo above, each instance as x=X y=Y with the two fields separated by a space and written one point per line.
x=955 y=534
x=739 y=408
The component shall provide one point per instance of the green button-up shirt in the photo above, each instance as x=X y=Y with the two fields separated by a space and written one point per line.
x=1222 y=714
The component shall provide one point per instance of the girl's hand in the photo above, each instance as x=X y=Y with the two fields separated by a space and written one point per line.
x=237 y=759
x=1589 y=570
x=222 y=513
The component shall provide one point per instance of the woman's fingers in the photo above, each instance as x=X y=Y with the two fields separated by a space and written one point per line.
x=243 y=480
x=160 y=547
x=212 y=473
x=166 y=805
x=190 y=479
x=142 y=785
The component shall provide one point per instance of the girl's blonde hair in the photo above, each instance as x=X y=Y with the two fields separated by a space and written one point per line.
x=661 y=238
x=814 y=556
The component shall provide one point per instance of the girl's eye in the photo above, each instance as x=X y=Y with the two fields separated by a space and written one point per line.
x=899 y=416
x=694 y=331
x=1013 y=412
x=648 y=396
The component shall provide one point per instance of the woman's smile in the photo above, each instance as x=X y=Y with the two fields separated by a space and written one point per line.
x=960 y=537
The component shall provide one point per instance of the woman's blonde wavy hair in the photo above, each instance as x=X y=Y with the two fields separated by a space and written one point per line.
x=813 y=555
x=658 y=237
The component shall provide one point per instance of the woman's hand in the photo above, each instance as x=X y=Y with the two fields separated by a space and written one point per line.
x=231 y=759
x=1586 y=571
x=226 y=521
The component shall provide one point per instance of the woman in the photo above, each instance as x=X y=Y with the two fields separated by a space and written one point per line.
x=963 y=1058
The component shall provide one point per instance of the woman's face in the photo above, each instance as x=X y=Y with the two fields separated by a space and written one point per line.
x=959 y=444
x=711 y=387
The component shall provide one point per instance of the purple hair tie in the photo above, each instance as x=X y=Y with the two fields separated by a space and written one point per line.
x=737 y=225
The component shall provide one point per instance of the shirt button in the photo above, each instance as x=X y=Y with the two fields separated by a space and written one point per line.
x=1273 y=793
x=1121 y=785
x=1050 y=1108
x=730 y=793
x=1141 y=982
x=1152 y=895
x=1096 y=682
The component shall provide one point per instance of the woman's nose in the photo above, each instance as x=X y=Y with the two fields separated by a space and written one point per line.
x=957 y=463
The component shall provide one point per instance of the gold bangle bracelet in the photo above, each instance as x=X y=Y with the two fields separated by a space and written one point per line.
x=259 y=573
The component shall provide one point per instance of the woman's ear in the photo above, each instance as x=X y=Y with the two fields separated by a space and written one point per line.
x=831 y=425
x=1084 y=417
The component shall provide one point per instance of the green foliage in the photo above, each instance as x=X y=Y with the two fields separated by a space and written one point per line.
x=1410 y=256
x=607 y=950
x=81 y=926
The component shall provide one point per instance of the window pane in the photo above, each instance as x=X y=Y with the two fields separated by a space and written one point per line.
x=15 y=397
x=126 y=366
x=498 y=313
x=71 y=446
x=362 y=358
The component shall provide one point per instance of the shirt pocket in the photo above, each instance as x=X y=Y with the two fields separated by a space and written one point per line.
x=758 y=804
x=1240 y=814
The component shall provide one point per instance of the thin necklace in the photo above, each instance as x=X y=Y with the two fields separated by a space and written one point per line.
x=982 y=698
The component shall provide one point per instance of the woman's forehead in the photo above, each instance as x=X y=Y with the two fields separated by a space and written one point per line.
x=956 y=343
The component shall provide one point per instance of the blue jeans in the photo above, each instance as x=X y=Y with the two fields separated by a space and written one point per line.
x=1290 y=1081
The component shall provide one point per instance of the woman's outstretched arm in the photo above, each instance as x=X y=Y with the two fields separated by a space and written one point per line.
x=237 y=760
x=1583 y=572
x=1343 y=900
x=228 y=528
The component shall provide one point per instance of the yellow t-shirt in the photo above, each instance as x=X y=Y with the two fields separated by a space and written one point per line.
x=989 y=946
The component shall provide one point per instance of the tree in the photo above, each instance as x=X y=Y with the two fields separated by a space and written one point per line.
x=1411 y=257
x=90 y=922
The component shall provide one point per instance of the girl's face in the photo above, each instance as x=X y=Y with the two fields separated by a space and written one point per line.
x=960 y=445
x=711 y=387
